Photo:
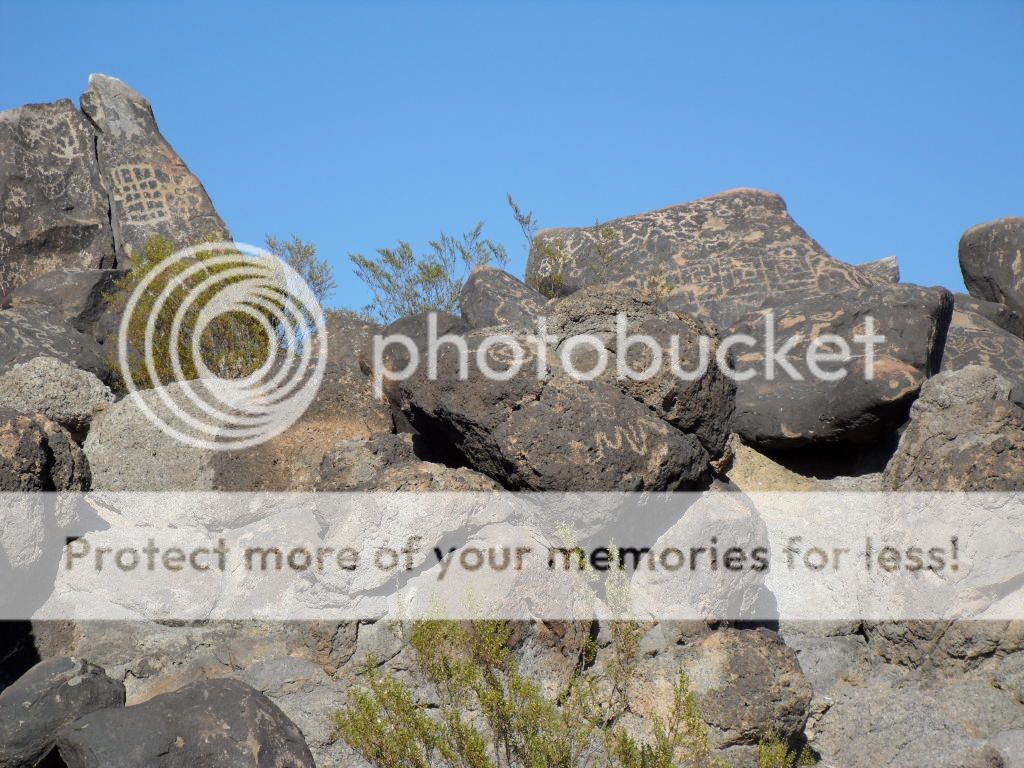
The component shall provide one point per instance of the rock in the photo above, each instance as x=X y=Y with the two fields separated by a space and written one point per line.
x=784 y=413
x=51 y=695
x=547 y=434
x=746 y=682
x=702 y=407
x=964 y=435
x=30 y=332
x=992 y=262
x=493 y=297
x=952 y=647
x=219 y=722
x=893 y=717
x=1000 y=314
x=717 y=258
x=386 y=462
x=77 y=296
x=39 y=455
x=57 y=390
x=344 y=409
x=152 y=192
x=53 y=207
x=881 y=271
x=973 y=339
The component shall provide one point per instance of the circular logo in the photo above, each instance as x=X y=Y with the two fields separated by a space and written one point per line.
x=241 y=310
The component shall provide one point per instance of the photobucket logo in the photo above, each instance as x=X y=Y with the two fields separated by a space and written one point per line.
x=241 y=335
x=740 y=356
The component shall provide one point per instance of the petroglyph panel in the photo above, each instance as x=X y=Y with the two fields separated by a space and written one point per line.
x=975 y=340
x=53 y=207
x=718 y=257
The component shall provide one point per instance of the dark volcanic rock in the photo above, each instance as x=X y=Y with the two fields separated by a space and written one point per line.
x=38 y=455
x=30 y=332
x=54 y=213
x=717 y=258
x=1000 y=314
x=493 y=297
x=152 y=192
x=551 y=433
x=223 y=723
x=992 y=261
x=703 y=406
x=52 y=694
x=882 y=271
x=786 y=413
x=964 y=435
x=76 y=296
x=974 y=340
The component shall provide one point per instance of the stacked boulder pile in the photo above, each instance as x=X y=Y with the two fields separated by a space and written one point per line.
x=82 y=189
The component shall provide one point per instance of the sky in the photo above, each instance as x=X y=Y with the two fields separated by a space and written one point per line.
x=889 y=127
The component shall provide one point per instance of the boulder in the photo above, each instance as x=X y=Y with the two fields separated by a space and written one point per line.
x=51 y=695
x=219 y=722
x=30 y=332
x=152 y=192
x=38 y=455
x=546 y=433
x=54 y=213
x=973 y=339
x=702 y=406
x=881 y=271
x=76 y=296
x=717 y=258
x=965 y=434
x=344 y=409
x=777 y=410
x=57 y=390
x=386 y=462
x=1000 y=314
x=491 y=297
x=992 y=261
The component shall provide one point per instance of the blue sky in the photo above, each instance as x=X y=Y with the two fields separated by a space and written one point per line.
x=889 y=128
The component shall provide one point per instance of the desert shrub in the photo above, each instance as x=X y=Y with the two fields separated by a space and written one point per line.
x=233 y=345
x=301 y=256
x=772 y=752
x=404 y=283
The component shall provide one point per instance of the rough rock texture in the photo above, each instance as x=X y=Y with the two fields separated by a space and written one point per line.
x=53 y=207
x=717 y=258
x=57 y=390
x=550 y=434
x=952 y=647
x=1000 y=314
x=702 y=407
x=493 y=297
x=992 y=261
x=30 y=332
x=882 y=271
x=52 y=694
x=344 y=409
x=221 y=722
x=973 y=339
x=76 y=296
x=785 y=412
x=386 y=462
x=38 y=455
x=152 y=192
x=965 y=434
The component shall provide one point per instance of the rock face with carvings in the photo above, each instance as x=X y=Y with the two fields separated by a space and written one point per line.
x=992 y=260
x=152 y=192
x=717 y=258
x=53 y=203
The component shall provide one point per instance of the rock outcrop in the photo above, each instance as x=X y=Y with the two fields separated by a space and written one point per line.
x=492 y=297
x=992 y=262
x=32 y=331
x=152 y=192
x=973 y=339
x=53 y=203
x=78 y=297
x=51 y=695
x=38 y=455
x=57 y=390
x=717 y=258
x=1000 y=314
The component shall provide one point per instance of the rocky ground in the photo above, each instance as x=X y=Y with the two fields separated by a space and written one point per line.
x=82 y=189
